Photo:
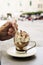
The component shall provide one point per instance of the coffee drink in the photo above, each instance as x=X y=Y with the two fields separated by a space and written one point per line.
x=21 y=39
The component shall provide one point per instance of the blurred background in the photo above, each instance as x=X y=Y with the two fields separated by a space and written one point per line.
x=16 y=7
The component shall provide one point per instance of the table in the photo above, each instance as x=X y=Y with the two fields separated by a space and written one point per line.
x=0 y=57
x=37 y=59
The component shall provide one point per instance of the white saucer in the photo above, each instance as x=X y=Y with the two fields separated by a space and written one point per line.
x=12 y=52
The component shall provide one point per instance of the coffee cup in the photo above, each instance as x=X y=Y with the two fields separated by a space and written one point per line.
x=21 y=40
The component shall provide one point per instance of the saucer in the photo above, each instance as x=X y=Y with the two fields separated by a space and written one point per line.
x=12 y=52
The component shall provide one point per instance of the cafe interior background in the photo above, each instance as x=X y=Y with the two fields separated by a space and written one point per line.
x=29 y=12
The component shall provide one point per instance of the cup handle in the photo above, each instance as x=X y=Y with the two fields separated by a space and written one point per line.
x=34 y=45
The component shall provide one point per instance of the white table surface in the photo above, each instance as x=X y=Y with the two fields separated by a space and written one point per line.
x=37 y=59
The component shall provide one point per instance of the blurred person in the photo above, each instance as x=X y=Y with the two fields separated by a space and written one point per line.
x=8 y=30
